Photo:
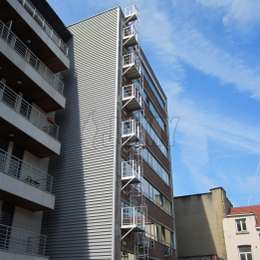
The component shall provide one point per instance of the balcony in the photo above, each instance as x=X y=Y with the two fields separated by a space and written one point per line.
x=131 y=13
x=131 y=130
x=130 y=170
x=30 y=23
x=131 y=66
x=130 y=37
x=20 y=116
x=15 y=241
x=28 y=65
x=36 y=15
x=131 y=97
x=24 y=183
x=132 y=218
x=29 y=112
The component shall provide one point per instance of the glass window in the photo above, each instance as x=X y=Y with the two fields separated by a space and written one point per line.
x=153 y=88
x=150 y=131
x=245 y=252
x=155 y=165
x=155 y=196
x=241 y=224
x=156 y=115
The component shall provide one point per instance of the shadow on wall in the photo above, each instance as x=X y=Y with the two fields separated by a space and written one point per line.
x=61 y=226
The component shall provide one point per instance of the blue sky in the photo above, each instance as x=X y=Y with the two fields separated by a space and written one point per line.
x=206 y=56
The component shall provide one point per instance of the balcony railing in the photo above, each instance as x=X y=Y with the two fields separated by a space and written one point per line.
x=130 y=128
x=130 y=31
x=130 y=170
x=21 y=49
x=130 y=11
x=21 y=241
x=131 y=92
x=131 y=59
x=25 y=172
x=132 y=217
x=29 y=112
x=132 y=65
x=36 y=15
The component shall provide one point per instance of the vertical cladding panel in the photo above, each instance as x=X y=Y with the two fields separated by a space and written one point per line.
x=81 y=226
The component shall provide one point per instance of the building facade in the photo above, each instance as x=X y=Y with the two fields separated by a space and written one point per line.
x=199 y=225
x=32 y=56
x=242 y=233
x=113 y=181
x=91 y=171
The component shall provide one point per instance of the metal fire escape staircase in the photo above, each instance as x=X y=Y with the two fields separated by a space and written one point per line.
x=133 y=216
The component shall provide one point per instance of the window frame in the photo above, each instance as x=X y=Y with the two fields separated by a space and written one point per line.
x=247 y=254
x=241 y=225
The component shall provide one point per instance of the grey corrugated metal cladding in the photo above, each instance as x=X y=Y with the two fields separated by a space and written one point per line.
x=81 y=226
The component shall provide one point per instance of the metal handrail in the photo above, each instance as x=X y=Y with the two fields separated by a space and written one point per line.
x=130 y=30
x=21 y=49
x=129 y=127
x=31 y=113
x=130 y=11
x=25 y=172
x=130 y=169
x=132 y=59
x=131 y=91
x=132 y=217
x=21 y=241
x=47 y=28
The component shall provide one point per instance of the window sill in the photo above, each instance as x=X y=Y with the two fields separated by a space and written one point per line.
x=242 y=232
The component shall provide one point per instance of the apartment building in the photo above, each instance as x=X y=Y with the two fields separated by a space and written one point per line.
x=112 y=182
x=199 y=225
x=32 y=56
x=242 y=233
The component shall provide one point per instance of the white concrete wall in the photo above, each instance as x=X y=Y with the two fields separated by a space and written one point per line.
x=233 y=239
x=40 y=163
x=28 y=128
x=28 y=220
x=14 y=186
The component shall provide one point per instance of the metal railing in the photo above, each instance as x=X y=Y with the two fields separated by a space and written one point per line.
x=131 y=91
x=130 y=11
x=21 y=49
x=25 y=172
x=130 y=30
x=130 y=169
x=132 y=59
x=130 y=128
x=48 y=29
x=25 y=109
x=21 y=241
x=132 y=217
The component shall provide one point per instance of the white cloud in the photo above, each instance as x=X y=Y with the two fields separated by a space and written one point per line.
x=175 y=39
x=197 y=127
x=237 y=12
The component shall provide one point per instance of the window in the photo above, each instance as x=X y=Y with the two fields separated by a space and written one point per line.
x=245 y=252
x=241 y=225
x=156 y=115
x=150 y=131
x=155 y=165
x=156 y=197
x=153 y=88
